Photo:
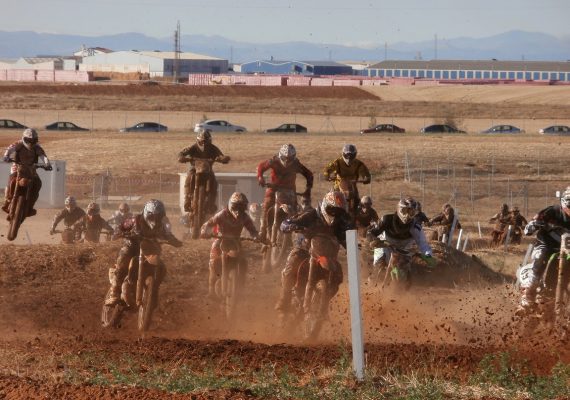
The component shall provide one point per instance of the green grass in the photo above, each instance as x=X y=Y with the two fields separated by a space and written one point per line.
x=499 y=376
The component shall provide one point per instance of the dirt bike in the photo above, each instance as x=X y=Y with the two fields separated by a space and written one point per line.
x=202 y=190
x=230 y=283
x=499 y=235
x=91 y=236
x=553 y=295
x=317 y=280
x=19 y=205
x=67 y=235
x=349 y=189
x=148 y=271
x=399 y=270
x=280 y=243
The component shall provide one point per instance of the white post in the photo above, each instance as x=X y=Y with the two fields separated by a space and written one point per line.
x=355 y=308
x=465 y=242
x=508 y=238
x=454 y=223
x=444 y=238
x=479 y=226
x=459 y=239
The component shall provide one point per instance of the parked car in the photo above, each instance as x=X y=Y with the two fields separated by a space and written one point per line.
x=440 y=128
x=503 y=129
x=556 y=130
x=384 y=128
x=10 y=124
x=288 y=128
x=146 y=127
x=64 y=126
x=218 y=125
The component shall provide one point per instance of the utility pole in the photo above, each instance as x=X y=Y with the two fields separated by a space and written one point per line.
x=176 y=66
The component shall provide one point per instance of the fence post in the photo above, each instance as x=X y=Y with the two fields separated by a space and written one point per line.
x=529 y=250
x=508 y=238
x=465 y=243
x=479 y=226
x=459 y=239
x=452 y=228
x=355 y=304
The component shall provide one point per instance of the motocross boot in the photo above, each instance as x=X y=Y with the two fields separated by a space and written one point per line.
x=116 y=277
x=528 y=300
x=128 y=292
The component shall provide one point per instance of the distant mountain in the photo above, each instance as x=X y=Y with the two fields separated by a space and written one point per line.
x=513 y=45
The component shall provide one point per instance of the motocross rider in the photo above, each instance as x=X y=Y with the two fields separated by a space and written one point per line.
x=350 y=168
x=330 y=218
x=547 y=243
x=365 y=215
x=71 y=214
x=228 y=223
x=92 y=223
x=203 y=148
x=401 y=230
x=120 y=215
x=444 y=220
x=152 y=224
x=501 y=219
x=26 y=151
x=284 y=168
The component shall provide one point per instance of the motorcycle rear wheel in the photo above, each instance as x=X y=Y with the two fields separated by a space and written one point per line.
x=17 y=217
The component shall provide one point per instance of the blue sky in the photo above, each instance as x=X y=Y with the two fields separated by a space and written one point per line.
x=352 y=22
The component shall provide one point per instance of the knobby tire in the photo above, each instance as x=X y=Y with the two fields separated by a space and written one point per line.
x=17 y=217
x=147 y=305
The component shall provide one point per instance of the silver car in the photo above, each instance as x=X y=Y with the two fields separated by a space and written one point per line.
x=218 y=125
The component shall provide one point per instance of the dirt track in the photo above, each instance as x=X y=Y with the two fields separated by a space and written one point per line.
x=51 y=299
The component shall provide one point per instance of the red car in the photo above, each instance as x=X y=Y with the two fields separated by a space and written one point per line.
x=384 y=128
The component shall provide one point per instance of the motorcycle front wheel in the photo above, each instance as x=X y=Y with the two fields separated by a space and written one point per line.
x=146 y=307
x=17 y=217
x=314 y=317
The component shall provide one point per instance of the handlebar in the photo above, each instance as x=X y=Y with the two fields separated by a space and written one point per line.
x=47 y=167
x=278 y=188
x=240 y=238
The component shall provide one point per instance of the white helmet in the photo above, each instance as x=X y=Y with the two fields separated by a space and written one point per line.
x=349 y=153
x=237 y=204
x=287 y=154
x=407 y=209
x=334 y=203
x=153 y=213
x=30 y=137
x=70 y=203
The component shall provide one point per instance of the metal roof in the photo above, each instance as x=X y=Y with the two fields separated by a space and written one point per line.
x=313 y=63
x=38 y=60
x=496 y=65
x=171 y=55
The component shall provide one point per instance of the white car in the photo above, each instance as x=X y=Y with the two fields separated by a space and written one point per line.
x=218 y=125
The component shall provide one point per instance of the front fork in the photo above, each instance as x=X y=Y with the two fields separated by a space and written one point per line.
x=562 y=282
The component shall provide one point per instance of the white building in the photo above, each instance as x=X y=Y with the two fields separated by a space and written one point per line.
x=154 y=63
